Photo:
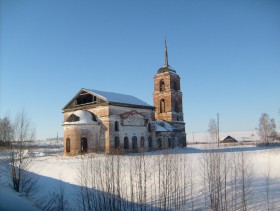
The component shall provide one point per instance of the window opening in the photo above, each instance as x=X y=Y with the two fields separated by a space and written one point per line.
x=84 y=145
x=126 y=143
x=116 y=126
x=68 y=145
x=117 y=142
x=162 y=106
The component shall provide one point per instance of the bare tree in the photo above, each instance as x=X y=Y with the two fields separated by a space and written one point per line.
x=267 y=128
x=6 y=131
x=20 y=160
x=213 y=129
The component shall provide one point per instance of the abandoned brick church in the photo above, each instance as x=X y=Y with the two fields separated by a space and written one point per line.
x=98 y=121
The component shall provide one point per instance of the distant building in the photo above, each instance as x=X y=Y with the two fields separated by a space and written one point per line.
x=228 y=139
x=98 y=121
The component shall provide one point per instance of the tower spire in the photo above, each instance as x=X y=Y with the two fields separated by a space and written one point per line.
x=166 y=54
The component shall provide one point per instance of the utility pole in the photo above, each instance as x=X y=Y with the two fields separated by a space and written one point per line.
x=218 y=129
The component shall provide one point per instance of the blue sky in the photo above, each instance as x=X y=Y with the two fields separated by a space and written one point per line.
x=227 y=54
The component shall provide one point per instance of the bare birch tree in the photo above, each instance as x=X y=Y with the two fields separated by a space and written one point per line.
x=213 y=129
x=267 y=128
x=20 y=161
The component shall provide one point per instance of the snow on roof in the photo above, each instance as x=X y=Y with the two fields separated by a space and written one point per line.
x=162 y=126
x=117 y=98
x=85 y=117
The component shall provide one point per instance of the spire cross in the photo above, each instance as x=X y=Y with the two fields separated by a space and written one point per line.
x=166 y=55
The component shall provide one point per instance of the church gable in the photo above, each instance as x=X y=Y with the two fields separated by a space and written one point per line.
x=132 y=118
x=83 y=98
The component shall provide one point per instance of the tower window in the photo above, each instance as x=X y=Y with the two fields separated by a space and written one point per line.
x=161 y=86
x=162 y=106
x=177 y=109
x=176 y=85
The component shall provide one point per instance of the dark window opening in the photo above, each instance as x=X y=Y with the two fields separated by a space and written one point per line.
x=84 y=145
x=159 y=143
x=169 y=143
x=134 y=143
x=93 y=117
x=176 y=85
x=94 y=98
x=68 y=145
x=73 y=118
x=177 y=107
x=85 y=98
x=142 y=142
x=150 y=140
x=126 y=143
x=116 y=126
x=117 y=142
x=161 y=86
x=162 y=106
x=149 y=128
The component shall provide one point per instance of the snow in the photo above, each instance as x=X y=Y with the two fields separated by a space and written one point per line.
x=164 y=126
x=11 y=201
x=85 y=118
x=55 y=170
x=117 y=97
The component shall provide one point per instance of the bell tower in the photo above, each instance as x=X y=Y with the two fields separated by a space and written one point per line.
x=168 y=96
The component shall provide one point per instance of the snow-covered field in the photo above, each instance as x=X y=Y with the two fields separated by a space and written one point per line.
x=172 y=178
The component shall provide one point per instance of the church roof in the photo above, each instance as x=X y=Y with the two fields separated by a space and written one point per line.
x=113 y=98
x=117 y=97
x=164 y=69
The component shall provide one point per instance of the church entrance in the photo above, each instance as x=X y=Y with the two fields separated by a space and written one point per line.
x=84 y=145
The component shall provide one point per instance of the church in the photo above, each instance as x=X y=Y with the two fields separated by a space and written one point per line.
x=113 y=123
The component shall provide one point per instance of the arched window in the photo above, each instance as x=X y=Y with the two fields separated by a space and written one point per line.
x=176 y=85
x=68 y=145
x=150 y=140
x=117 y=142
x=134 y=143
x=161 y=86
x=159 y=142
x=149 y=127
x=84 y=145
x=73 y=118
x=142 y=142
x=116 y=126
x=126 y=143
x=162 y=106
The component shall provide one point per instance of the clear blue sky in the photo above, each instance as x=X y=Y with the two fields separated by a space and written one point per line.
x=227 y=54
